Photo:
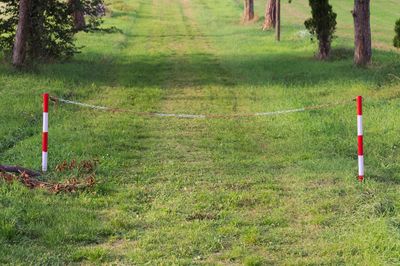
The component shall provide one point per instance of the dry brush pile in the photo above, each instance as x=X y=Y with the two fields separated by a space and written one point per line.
x=83 y=179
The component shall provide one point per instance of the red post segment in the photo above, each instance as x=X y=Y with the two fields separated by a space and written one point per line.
x=45 y=140
x=359 y=105
x=45 y=103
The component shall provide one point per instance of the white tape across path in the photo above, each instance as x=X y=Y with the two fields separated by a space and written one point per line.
x=193 y=116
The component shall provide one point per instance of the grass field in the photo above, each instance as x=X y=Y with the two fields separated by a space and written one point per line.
x=253 y=190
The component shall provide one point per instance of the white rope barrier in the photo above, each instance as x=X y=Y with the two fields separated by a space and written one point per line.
x=196 y=116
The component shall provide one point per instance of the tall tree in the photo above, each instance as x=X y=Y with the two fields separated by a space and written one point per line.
x=248 y=12
x=43 y=29
x=362 y=32
x=270 y=15
x=278 y=21
x=322 y=24
x=21 y=36
x=78 y=14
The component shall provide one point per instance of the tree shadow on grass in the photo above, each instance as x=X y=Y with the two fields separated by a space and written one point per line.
x=202 y=69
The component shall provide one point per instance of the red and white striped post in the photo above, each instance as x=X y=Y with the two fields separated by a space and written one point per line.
x=360 y=140
x=45 y=134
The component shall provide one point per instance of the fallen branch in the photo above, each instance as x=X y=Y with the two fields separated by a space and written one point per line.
x=18 y=170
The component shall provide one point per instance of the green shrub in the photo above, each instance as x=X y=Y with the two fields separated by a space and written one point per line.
x=51 y=31
x=322 y=25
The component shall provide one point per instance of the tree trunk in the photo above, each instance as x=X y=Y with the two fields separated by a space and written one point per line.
x=248 y=13
x=21 y=36
x=324 y=48
x=278 y=20
x=270 y=15
x=362 y=32
x=77 y=14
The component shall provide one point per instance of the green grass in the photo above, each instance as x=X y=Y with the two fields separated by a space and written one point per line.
x=252 y=191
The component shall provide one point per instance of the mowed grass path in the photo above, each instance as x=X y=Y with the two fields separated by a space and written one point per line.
x=254 y=191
